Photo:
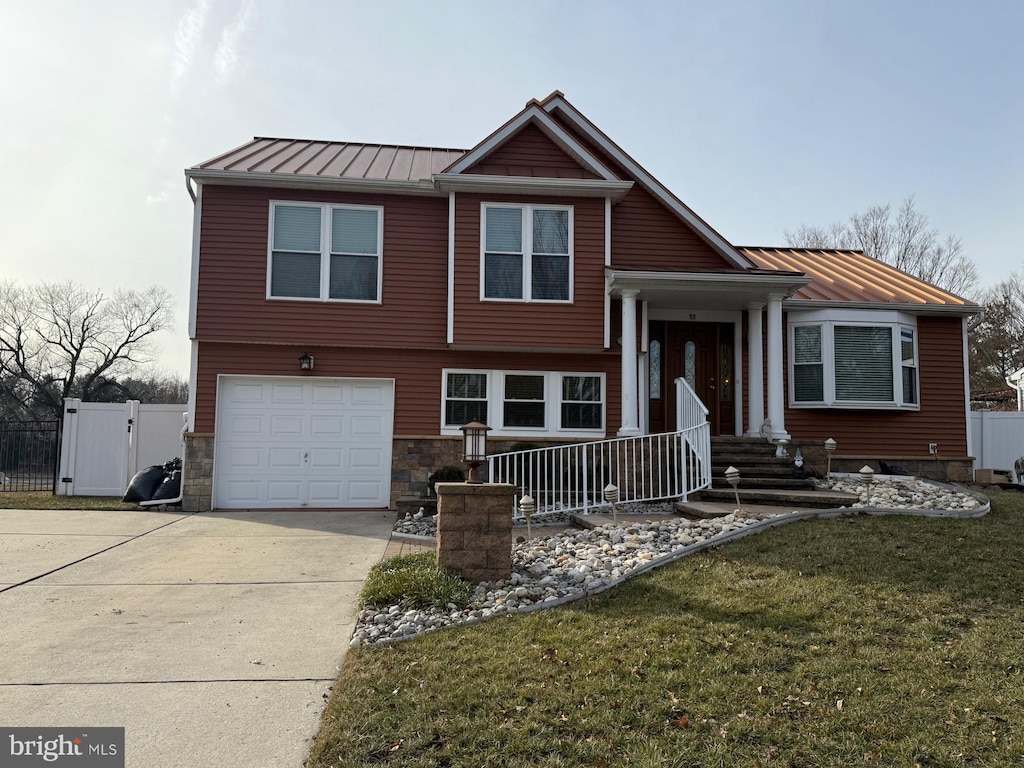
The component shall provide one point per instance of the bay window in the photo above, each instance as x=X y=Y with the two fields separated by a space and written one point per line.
x=527 y=252
x=842 y=359
x=325 y=252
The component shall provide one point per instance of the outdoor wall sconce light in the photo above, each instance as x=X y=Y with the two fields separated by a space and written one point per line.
x=611 y=495
x=306 y=362
x=830 y=448
x=732 y=477
x=527 y=506
x=867 y=475
x=474 y=447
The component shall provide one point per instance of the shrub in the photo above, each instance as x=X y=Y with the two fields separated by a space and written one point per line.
x=446 y=474
x=413 y=581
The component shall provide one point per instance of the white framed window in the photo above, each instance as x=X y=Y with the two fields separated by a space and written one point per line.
x=847 y=359
x=523 y=403
x=526 y=252
x=324 y=252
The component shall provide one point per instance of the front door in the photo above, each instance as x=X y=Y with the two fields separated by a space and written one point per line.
x=701 y=353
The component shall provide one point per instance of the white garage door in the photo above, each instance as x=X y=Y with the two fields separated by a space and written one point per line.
x=302 y=442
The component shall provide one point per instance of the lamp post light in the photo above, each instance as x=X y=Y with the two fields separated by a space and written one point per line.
x=867 y=475
x=527 y=506
x=732 y=477
x=830 y=448
x=611 y=495
x=474 y=447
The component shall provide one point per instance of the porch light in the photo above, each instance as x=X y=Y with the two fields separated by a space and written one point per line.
x=474 y=447
x=867 y=475
x=611 y=495
x=830 y=448
x=732 y=477
x=306 y=362
x=527 y=506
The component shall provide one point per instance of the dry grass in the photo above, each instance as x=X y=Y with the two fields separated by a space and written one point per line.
x=46 y=500
x=855 y=641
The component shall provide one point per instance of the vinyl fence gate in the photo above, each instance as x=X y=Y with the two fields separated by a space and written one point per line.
x=29 y=452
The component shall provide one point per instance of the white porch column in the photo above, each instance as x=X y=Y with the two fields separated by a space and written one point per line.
x=755 y=370
x=776 y=397
x=630 y=405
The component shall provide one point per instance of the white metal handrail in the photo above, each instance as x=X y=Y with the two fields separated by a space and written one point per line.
x=572 y=478
x=690 y=409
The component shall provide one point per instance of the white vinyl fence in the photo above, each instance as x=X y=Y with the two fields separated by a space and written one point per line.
x=997 y=439
x=103 y=445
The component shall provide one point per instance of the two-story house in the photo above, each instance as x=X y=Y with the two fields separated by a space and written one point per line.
x=354 y=305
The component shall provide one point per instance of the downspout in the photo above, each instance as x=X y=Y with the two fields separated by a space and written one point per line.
x=1017 y=384
x=181 y=488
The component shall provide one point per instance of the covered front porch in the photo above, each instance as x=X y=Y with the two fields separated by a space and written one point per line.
x=690 y=325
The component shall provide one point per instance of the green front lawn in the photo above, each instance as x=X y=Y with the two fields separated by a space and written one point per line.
x=46 y=500
x=889 y=641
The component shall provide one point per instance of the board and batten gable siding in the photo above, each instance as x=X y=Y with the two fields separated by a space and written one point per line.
x=531 y=153
x=942 y=418
x=232 y=298
x=579 y=325
x=417 y=375
x=647 y=235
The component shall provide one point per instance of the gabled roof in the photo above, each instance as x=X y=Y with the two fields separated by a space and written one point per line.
x=851 y=277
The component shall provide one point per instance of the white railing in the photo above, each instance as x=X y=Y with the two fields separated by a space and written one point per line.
x=572 y=478
x=691 y=413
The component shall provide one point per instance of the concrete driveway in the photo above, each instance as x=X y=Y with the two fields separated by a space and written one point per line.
x=211 y=638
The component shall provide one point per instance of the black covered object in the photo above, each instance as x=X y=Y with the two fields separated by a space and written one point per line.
x=144 y=484
x=169 y=488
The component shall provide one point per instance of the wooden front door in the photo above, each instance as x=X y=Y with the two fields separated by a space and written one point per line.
x=701 y=353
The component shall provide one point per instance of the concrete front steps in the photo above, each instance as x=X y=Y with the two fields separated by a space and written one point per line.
x=764 y=481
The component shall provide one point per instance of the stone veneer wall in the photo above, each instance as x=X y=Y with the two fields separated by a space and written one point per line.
x=197 y=472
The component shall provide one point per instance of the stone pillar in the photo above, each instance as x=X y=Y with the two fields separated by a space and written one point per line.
x=776 y=395
x=755 y=370
x=474 y=529
x=197 y=473
x=630 y=405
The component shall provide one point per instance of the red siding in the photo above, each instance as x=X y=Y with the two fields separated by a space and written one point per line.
x=646 y=235
x=417 y=375
x=233 y=274
x=531 y=153
x=520 y=324
x=942 y=418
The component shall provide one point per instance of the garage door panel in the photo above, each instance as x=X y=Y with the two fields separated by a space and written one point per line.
x=303 y=442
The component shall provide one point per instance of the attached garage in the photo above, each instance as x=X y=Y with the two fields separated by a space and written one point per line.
x=287 y=442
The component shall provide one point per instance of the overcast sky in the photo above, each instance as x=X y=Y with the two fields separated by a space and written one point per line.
x=760 y=115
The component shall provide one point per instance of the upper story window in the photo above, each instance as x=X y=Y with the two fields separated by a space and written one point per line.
x=527 y=252
x=325 y=252
x=839 y=360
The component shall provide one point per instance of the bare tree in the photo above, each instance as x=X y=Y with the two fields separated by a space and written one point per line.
x=904 y=240
x=61 y=340
x=997 y=341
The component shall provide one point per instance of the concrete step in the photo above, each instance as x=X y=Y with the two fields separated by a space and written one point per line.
x=750 y=472
x=777 y=483
x=749 y=459
x=781 y=498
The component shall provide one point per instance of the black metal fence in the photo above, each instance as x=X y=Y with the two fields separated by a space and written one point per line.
x=29 y=452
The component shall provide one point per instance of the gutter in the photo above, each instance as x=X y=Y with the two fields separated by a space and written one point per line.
x=1016 y=381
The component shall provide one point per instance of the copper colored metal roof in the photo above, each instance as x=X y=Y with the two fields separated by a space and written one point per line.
x=850 y=276
x=334 y=160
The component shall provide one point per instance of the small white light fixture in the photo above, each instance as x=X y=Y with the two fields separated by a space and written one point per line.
x=732 y=477
x=527 y=506
x=611 y=495
x=830 y=448
x=474 y=447
x=867 y=475
x=306 y=362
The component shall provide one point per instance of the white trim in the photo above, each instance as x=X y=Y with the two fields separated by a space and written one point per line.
x=549 y=127
x=527 y=254
x=552 y=404
x=684 y=315
x=450 y=332
x=737 y=375
x=296 y=181
x=802 y=305
x=967 y=388
x=193 y=288
x=607 y=276
x=730 y=253
x=326 y=250
x=193 y=381
x=533 y=185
